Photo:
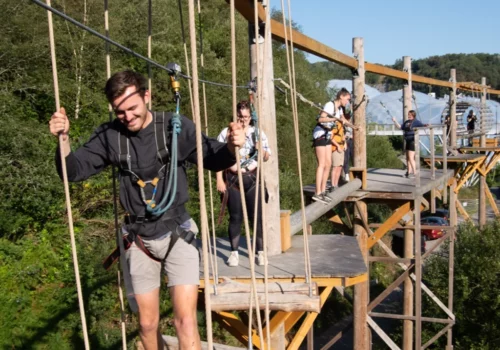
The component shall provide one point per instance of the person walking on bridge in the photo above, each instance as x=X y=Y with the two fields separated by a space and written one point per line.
x=228 y=185
x=139 y=142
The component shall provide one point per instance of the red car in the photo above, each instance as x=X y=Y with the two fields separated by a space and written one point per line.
x=434 y=233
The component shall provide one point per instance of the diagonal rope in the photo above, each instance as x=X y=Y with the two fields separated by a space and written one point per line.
x=65 y=181
x=293 y=96
x=201 y=180
x=113 y=176
x=260 y=178
x=124 y=48
x=211 y=247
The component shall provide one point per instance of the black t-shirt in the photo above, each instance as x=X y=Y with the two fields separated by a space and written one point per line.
x=407 y=128
x=101 y=150
x=471 y=122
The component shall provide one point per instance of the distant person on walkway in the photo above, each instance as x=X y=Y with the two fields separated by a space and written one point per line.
x=409 y=136
x=349 y=146
x=471 y=125
x=228 y=184
x=338 y=152
x=322 y=134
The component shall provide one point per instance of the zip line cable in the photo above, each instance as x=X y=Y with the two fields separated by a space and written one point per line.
x=126 y=49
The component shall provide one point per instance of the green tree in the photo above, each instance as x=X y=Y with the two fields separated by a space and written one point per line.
x=476 y=287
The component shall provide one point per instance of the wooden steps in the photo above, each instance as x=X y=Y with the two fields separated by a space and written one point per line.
x=288 y=297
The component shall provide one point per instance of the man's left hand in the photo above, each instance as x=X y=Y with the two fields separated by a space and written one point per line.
x=236 y=136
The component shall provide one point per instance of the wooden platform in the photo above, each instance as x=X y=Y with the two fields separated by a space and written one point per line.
x=333 y=257
x=460 y=158
x=391 y=184
x=480 y=149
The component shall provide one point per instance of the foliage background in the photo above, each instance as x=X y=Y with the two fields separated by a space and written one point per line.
x=38 y=304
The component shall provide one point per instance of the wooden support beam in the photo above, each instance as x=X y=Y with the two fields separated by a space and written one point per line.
x=277 y=302
x=278 y=319
x=467 y=173
x=387 y=340
x=436 y=337
x=230 y=287
x=492 y=201
x=411 y=318
x=462 y=211
x=309 y=45
x=236 y=328
x=389 y=223
x=302 y=332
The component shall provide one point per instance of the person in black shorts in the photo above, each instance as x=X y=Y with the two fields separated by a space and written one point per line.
x=409 y=136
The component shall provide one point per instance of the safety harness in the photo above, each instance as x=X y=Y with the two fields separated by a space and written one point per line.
x=172 y=218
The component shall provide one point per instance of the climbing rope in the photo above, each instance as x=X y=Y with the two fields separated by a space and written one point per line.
x=115 y=201
x=65 y=181
x=293 y=97
x=212 y=247
x=201 y=180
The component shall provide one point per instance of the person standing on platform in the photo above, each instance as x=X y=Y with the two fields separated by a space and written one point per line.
x=322 y=134
x=349 y=146
x=471 y=125
x=338 y=152
x=409 y=136
x=228 y=185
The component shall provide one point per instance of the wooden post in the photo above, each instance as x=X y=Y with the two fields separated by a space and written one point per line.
x=453 y=109
x=407 y=88
x=417 y=158
x=451 y=257
x=358 y=101
x=482 y=178
x=268 y=123
x=408 y=237
x=418 y=273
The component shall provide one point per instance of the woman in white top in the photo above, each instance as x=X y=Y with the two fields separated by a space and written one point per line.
x=322 y=142
x=227 y=183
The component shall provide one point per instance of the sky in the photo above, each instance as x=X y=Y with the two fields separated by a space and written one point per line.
x=395 y=28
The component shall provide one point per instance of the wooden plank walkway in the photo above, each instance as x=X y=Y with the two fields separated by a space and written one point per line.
x=332 y=256
x=391 y=184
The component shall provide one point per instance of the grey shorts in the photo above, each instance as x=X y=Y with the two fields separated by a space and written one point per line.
x=182 y=265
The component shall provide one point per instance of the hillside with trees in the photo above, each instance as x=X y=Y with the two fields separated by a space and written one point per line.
x=470 y=67
x=38 y=303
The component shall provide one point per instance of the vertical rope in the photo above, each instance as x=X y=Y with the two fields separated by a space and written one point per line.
x=260 y=174
x=113 y=176
x=251 y=254
x=186 y=58
x=65 y=181
x=201 y=180
x=212 y=248
x=150 y=29
x=293 y=97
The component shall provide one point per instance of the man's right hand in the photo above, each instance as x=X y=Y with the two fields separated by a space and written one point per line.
x=59 y=124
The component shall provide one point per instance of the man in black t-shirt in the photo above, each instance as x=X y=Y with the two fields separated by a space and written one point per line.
x=471 y=124
x=131 y=141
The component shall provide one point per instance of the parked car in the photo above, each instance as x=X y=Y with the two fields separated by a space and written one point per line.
x=398 y=244
x=440 y=213
x=434 y=233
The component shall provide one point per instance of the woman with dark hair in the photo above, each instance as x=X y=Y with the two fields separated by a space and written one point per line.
x=409 y=136
x=322 y=135
x=227 y=183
